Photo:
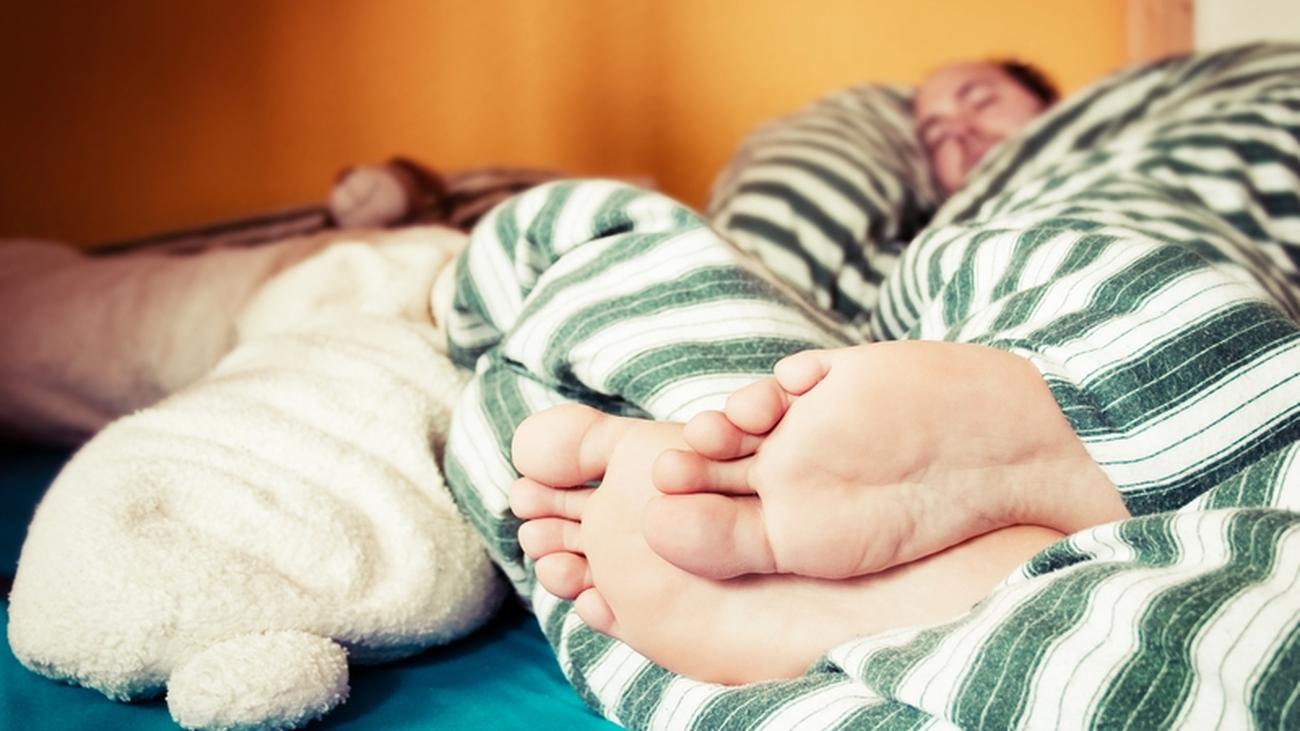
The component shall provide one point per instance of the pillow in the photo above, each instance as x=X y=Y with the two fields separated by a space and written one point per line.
x=827 y=197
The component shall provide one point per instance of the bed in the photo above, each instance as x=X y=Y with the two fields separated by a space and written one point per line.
x=1062 y=177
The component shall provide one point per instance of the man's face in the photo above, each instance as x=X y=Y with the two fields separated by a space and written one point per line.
x=963 y=111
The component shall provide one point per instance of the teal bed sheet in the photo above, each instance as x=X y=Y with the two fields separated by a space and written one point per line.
x=502 y=677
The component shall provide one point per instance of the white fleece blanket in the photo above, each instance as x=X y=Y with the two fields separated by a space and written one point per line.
x=284 y=510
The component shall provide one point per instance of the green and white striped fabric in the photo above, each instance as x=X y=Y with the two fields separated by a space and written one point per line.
x=1136 y=244
x=828 y=197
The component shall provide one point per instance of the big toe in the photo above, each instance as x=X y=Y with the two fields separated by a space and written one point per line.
x=709 y=535
x=566 y=445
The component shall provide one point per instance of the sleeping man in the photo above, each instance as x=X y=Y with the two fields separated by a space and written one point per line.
x=769 y=490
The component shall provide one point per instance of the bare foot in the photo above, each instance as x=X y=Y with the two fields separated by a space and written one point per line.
x=588 y=546
x=853 y=460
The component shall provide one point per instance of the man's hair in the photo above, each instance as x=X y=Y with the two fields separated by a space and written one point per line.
x=1032 y=79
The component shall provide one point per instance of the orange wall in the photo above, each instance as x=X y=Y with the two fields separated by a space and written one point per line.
x=130 y=116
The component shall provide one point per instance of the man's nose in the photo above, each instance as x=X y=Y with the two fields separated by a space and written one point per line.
x=970 y=130
x=963 y=131
x=962 y=125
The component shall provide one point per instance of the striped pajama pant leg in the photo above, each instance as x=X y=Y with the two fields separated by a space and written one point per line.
x=1173 y=351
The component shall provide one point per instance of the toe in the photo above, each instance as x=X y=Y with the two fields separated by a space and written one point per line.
x=595 y=612
x=565 y=575
x=550 y=535
x=712 y=536
x=798 y=373
x=712 y=435
x=678 y=471
x=530 y=499
x=758 y=407
x=566 y=445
